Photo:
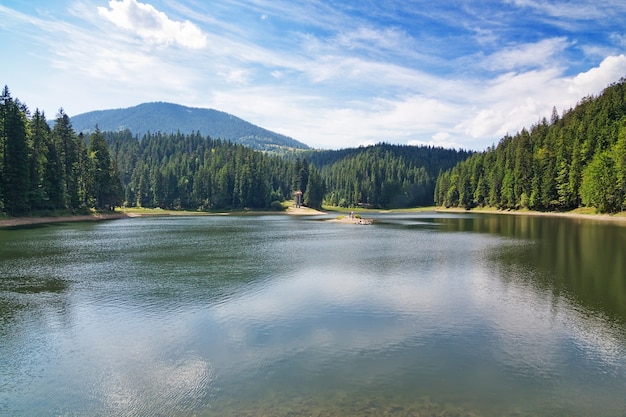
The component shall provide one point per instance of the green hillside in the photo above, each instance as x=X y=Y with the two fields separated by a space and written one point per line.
x=574 y=160
x=173 y=118
x=46 y=168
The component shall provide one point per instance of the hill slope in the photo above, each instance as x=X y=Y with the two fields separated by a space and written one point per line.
x=572 y=161
x=172 y=118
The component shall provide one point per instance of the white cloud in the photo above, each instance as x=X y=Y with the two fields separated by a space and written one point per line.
x=539 y=54
x=236 y=75
x=571 y=10
x=593 y=81
x=374 y=39
x=152 y=25
x=310 y=77
x=439 y=139
x=515 y=101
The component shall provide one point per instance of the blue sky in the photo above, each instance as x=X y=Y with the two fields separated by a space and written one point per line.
x=332 y=74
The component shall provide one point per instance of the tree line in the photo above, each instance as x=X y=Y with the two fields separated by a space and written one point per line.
x=48 y=166
x=178 y=171
x=383 y=175
x=44 y=168
x=574 y=160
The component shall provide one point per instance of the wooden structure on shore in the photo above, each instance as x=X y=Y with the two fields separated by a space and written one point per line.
x=297 y=196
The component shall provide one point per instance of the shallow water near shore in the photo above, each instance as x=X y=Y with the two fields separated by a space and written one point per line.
x=421 y=314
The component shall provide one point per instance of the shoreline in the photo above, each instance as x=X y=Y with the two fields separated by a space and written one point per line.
x=295 y=211
x=617 y=218
x=28 y=221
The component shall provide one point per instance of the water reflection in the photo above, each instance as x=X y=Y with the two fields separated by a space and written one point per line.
x=420 y=314
x=576 y=258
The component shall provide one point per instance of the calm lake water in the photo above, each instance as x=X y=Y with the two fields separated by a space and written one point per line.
x=420 y=314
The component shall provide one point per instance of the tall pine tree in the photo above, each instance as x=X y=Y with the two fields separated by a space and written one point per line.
x=15 y=167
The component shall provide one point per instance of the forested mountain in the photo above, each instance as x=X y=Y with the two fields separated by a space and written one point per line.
x=172 y=118
x=54 y=168
x=575 y=160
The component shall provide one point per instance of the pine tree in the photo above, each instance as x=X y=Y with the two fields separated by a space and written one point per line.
x=39 y=157
x=15 y=166
x=65 y=142
x=105 y=186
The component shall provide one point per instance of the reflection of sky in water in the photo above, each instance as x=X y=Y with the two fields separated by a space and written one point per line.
x=399 y=305
x=348 y=310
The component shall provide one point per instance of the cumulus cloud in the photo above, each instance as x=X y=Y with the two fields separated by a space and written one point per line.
x=153 y=25
x=515 y=101
x=593 y=81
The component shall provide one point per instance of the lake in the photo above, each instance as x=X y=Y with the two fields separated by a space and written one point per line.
x=420 y=314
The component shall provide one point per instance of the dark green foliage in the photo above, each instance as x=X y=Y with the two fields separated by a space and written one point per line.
x=104 y=186
x=40 y=177
x=15 y=164
x=277 y=206
x=314 y=194
x=382 y=175
x=179 y=171
x=577 y=159
x=50 y=169
x=173 y=118
x=44 y=169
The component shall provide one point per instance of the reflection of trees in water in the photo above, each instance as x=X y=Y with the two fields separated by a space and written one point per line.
x=582 y=258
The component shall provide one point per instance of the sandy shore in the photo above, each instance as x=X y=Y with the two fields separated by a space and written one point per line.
x=302 y=211
x=352 y=220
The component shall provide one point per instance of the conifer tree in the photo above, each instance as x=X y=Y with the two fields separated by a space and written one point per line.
x=39 y=157
x=65 y=142
x=15 y=166
x=105 y=186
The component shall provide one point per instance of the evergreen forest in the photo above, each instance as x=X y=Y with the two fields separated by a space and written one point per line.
x=573 y=160
x=49 y=167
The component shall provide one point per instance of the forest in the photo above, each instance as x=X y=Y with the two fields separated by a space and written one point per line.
x=177 y=171
x=44 y=169
x=573 y=160
x=49 y=167
x=383 y=175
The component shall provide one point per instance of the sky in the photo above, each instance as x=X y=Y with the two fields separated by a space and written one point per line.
x=332 y=74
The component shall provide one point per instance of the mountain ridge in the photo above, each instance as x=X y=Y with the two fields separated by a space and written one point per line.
x=167 y=117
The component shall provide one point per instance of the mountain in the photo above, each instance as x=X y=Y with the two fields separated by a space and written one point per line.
x=172 y=118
